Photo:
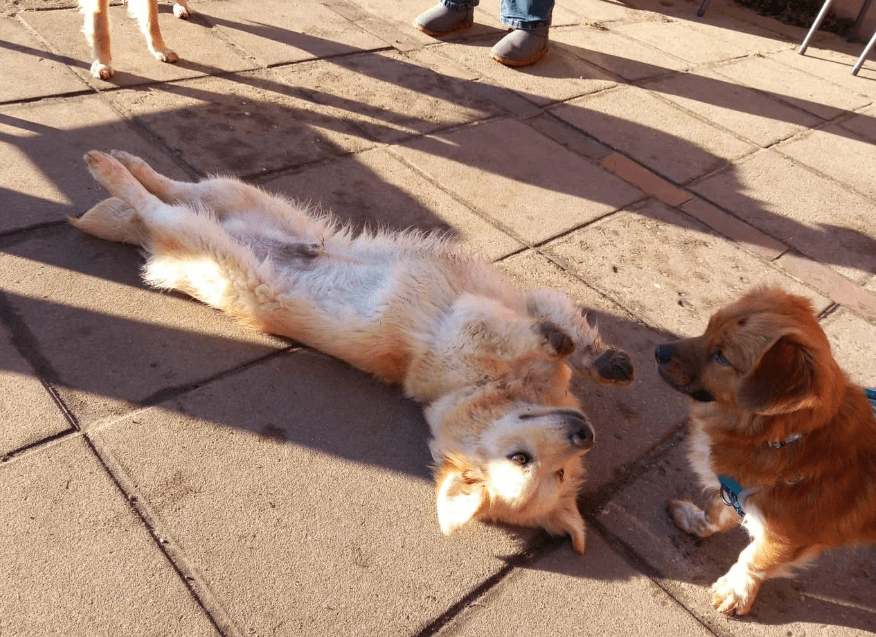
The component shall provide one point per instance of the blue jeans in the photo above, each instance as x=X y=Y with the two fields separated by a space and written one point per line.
x=517 y=14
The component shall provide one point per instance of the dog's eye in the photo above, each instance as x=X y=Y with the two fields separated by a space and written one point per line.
x=561 y=474
x=719 y=358
x=520 y=458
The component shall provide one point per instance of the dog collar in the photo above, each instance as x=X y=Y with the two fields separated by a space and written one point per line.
x=733 y=494
x=871 y=396
x=776 y=444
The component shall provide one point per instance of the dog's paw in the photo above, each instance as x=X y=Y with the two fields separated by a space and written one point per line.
x=690 y=518
x=560 y=343
x=734 y=593
x=127 y=160
x=180 y=11
x=165 y=55
x=614 y=367
x=101 y=71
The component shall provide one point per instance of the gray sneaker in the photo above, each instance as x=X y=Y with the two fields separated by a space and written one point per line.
x=521 y=47
x=441 y=20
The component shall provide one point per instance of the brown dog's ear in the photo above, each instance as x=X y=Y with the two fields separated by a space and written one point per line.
x=781 y=382
x=460 y=497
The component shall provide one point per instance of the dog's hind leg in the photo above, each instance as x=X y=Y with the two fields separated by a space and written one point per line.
x=229 y=197
x=112 y=219
x=146 y=13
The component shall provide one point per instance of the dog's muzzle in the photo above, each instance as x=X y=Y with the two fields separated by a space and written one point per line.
x=580 y=431
x=664 y=355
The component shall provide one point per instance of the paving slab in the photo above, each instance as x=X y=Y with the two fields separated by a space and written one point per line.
x=245 y=124
x=756 y=37
x=25 y=56
x=635 y=122
x=281 y=32
x=799 y=88
x=374 y=189
x=833 y=66
x=562 y=593
x=750 y=114
x=853 y=341
x=558 y=78
x=388 y=95
x=833 y=598
x=853 y=166
x=629 y=421
x=814 y=214
x=863 y=123
x=106 y=342
x=76 y=560
x=667 y=269
x=518 y=178
x=299 y=492
x=664 y=33
x=29 y=412
x=596 y=11
x=42 y=176
x=614 y=52
x=200 y=51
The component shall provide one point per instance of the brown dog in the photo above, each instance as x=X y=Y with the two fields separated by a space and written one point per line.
x=779 y=433
x=96 y=30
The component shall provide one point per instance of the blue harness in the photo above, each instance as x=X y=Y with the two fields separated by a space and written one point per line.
x=732 y=492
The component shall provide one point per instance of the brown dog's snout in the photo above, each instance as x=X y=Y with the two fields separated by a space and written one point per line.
x=580 y=431
x=664 y=353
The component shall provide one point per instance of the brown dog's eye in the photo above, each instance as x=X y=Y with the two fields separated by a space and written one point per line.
x=719 y=358
x=520 y=458
x=561 y=474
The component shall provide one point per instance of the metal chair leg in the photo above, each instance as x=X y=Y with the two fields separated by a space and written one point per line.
x=864 y=55
x=818 y=20
x=702 y=8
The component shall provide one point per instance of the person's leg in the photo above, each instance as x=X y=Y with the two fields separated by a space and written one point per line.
x=447 y=16
x=528 y=42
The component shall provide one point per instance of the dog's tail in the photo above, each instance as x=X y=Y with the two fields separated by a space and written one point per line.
x=114 y=220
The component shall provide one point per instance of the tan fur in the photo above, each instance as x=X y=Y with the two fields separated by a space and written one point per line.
x=762 y=373
x=97 y=31
x=491 y=363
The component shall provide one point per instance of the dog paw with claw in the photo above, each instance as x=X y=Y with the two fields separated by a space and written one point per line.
x=734 y=593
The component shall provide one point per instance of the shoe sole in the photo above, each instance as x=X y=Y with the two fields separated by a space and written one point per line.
x=438 y=34
x=508 y=62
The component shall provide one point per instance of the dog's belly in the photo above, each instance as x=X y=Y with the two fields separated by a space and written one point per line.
x=355 y=292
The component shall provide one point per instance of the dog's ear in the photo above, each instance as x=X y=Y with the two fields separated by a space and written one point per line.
x=781 y=382
x=460 y=496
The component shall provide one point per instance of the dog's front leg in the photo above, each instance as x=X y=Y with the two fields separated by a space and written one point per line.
x=764 y=558
x=591 y=357
x=97 y=34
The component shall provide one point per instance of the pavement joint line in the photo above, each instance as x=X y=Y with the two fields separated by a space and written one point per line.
x=27 y=345
x=815 y=171
x=830 y=309
x=38 y=445
x=169 y=548
x=15 y=236
x=639 y=564
x=633 y=470
x=538 y=549
x=169 y=393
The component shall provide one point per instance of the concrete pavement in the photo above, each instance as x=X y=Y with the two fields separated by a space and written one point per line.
x=165 y=472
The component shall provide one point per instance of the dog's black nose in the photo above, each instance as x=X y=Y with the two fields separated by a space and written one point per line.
x=663 y=354
x=580 y=431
